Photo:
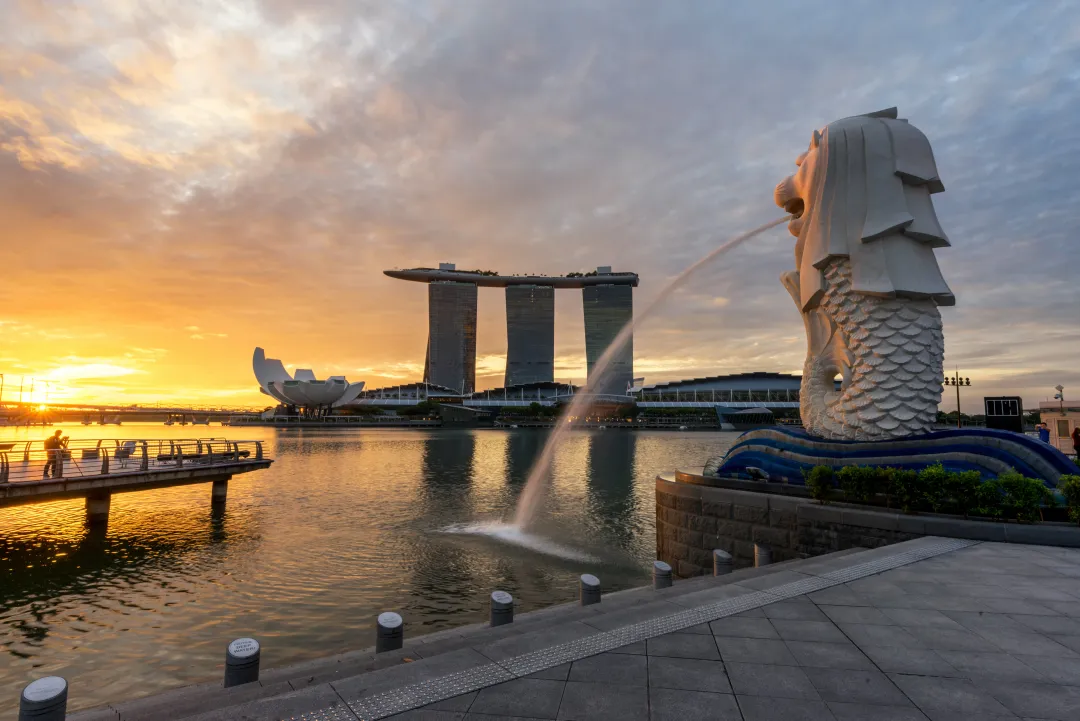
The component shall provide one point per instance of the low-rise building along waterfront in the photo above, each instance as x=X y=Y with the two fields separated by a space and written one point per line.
x=1062 y=418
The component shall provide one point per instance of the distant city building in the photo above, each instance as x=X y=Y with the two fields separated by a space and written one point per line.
x=302 y=389
x=530 y=334
x=778 y=393
x=736 y=389
x=740 y=399
x=608 y=308
x=530 y=323
x=451 y=350
x=1061 y=416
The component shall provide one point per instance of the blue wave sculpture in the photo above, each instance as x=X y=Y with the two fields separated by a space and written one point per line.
x=783 y=453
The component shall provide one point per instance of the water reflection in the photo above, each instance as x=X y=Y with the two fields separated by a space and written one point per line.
x=344 y=525
x=522 y=447
x=50 y=569
x=610 y=497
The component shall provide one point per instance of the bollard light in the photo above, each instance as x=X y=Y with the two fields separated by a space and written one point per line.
x=589 y=589
x=44 y=700
x=242 y=662
x=661 y=575
x=502 y=608
x=721 y=562
x=390 y=632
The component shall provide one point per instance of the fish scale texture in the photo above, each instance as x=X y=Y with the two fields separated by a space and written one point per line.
x=896 y=349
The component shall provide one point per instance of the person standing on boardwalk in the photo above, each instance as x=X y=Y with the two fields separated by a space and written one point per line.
x=1044 y=432
x=54 y=450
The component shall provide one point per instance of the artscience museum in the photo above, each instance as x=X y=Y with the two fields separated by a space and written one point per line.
x=302 y=389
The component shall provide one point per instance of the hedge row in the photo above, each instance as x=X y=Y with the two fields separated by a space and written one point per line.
x=1010 y=495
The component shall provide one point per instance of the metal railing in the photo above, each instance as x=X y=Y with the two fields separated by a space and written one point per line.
x=22 y=461
x=768 y=395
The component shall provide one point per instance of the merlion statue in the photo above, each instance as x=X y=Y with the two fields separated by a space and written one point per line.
x=867 y=282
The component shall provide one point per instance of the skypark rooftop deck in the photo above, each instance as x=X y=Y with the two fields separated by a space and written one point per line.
x=428 y=275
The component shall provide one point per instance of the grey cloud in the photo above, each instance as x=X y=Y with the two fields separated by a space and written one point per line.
x=553 y=136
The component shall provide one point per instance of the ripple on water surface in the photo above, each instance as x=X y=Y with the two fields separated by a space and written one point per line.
x=304 y=555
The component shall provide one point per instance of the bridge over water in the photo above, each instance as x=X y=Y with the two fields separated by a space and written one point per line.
x=95 y=413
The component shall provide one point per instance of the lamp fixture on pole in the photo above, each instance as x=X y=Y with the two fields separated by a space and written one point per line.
x=957 y=382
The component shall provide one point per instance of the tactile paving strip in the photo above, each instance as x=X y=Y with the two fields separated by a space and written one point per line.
x=888 y=563
x=337 y=713
x=406 y=698
x=534 y=661
x=800 y=587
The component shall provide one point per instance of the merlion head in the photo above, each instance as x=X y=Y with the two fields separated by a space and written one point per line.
x=862 y=191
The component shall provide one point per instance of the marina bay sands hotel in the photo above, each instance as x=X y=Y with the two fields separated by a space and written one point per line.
x=530 y=323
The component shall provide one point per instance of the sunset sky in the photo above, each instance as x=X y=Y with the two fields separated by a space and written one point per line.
x=182 y=181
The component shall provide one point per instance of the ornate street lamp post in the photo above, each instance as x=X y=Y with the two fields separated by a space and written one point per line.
x=957 y=382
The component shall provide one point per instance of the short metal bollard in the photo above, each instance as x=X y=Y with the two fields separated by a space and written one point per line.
x=390 y=634
x=44 y=700
x=242 y=662
x=590 y=589
x=661 y=575
x=762 y=556
x=502 y=608
x=721 y=562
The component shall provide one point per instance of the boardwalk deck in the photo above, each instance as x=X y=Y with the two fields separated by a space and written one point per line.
x=161 y=476
x=96 y=469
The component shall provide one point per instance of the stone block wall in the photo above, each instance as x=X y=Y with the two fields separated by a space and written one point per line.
x=696 y=514
x=692 y=520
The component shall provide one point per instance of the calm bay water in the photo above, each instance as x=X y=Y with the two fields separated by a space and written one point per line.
x=303 y=556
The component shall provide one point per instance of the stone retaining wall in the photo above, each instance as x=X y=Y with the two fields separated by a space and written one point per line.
x=692 y=519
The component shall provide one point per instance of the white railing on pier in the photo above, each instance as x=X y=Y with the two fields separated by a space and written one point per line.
x=23 y=461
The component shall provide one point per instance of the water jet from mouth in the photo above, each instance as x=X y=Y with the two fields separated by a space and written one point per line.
x=531 y=496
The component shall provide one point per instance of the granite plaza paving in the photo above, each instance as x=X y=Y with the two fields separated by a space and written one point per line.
x=934 y=629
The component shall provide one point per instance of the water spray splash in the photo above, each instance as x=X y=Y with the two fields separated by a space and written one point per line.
x=516 y=536
x=529 y=501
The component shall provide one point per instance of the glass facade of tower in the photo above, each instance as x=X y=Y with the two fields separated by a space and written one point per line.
x=451 y=352
x=607 y=309
x=530 y=334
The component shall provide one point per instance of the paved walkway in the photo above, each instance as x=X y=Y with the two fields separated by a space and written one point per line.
x=930 y=629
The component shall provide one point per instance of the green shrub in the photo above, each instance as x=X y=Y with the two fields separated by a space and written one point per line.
x=859 y=483
x=884 y=483
x=988 y=499
x=935 y=488
x=963 y=489
x=1069 y=485
x=933 y=484
x=1023 y=497
x=819 y=480
x=907 y=490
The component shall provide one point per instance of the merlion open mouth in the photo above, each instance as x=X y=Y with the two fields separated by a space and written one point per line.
x=788 y=198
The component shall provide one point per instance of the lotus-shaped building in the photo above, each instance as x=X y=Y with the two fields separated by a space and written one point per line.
x=302 y=389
